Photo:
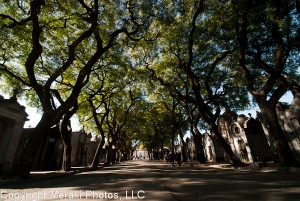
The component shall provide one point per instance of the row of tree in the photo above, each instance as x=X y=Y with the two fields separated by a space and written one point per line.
x=145 y=70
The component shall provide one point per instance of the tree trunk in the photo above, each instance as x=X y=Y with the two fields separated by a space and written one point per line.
x=234 y=160
x=173 y=138
x=30 y=150
x=285 y=155
x=200 y=156
x=66 y=163
x=98 y=153
x=66 y=132
x=109 y=154
x=184 y=156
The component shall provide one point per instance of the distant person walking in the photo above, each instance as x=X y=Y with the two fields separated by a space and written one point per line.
x=178 y=158
x=172 y=158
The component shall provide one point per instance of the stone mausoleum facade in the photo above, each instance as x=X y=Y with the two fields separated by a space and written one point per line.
x=13 y=139
x=12 y=119
x=248 y=137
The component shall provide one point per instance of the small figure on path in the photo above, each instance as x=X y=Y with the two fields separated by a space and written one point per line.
x=178 y=158
x=172 y=158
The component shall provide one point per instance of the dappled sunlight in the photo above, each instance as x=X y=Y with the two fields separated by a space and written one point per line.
x=159 y=181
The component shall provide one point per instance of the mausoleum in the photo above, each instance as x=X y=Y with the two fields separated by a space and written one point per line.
x=12 y=119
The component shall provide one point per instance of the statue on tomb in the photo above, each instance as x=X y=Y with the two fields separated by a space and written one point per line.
x=243 y=151
x=259 y=117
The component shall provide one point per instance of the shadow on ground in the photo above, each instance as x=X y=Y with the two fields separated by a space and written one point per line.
x=185 y=183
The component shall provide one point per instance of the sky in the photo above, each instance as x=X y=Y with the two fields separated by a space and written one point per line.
x=34 y=116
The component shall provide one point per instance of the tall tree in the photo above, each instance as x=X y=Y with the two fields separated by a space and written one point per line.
x=65 y=130
x=268 y=38
x=157 y=129
x=189 y=55
x=99 y=118
x=194 y=119
x=50 y=48
x=96 y=99
x=118 y=120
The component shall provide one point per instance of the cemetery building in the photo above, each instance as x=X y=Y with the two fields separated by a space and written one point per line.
x=80 y=147
x=49 y=152
x=140 y=153
x=291 y=128
x=12 y=119
x=92 y=148
x=212 y=150
x=191 y=150
x=246 y=137
x=13 y=139
x=249 y=137
x=289 y=120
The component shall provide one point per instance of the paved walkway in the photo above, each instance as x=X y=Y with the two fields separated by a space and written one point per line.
x=157 y=181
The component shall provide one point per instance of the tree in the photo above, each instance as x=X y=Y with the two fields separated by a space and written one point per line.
x=191 y=58
x=99 y=118
x=268 y=37
x=96 y=99
x=178 y=119
x=112 y=87
x=66 y=133
x=156 y=132
x=194 y=120
x=117 y=122
x=50 y=48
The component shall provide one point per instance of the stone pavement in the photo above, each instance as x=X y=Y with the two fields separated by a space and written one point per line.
x=159 y=181
x=223 y=182
x=37 y=176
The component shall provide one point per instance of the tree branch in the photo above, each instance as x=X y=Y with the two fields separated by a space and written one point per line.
x=14 y=21
x=13 y=75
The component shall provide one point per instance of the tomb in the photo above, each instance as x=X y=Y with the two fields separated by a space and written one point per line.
x=246 y=138
x=289 y=120
x=12 y=119
x=257 y=140
x=212 y=150
x=80 y=147
x=49 y=152
x=92 y=148
x=140 y=153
